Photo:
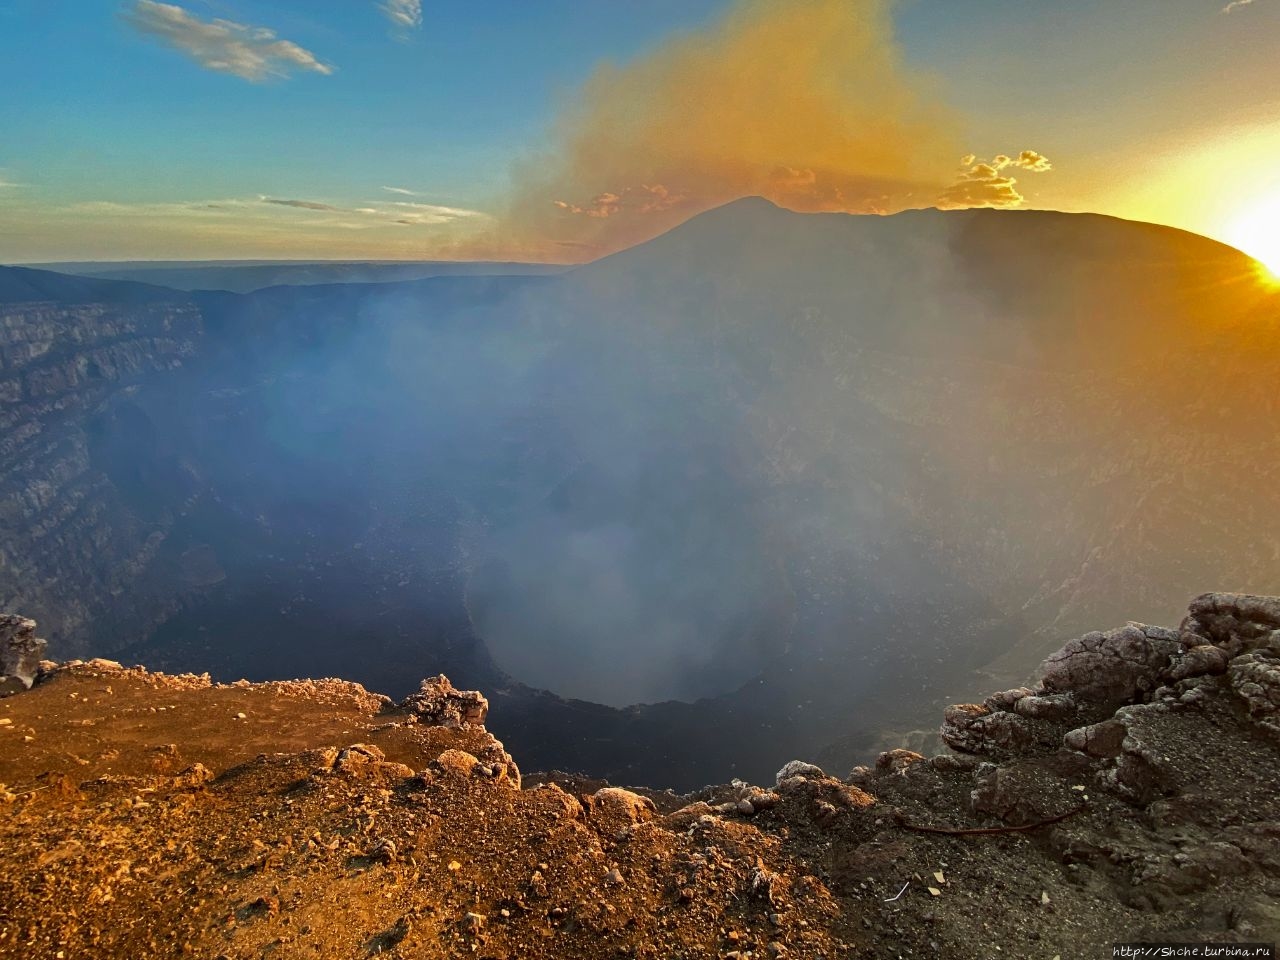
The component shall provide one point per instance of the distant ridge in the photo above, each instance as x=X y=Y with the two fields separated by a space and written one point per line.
x=251 y=275
x=25 y=285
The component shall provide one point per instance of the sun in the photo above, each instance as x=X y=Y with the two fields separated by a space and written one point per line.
x=1256 y=231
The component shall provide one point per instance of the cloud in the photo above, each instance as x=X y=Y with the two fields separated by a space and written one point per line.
x=1235 y=4
x=400 y=190
x=984 y=183
x=240 y=227
x=300 y=204
x=641 y=199
x=252 y=53
x=404 y=15
x=309 y=214
x=806 y=102
x=404 y=212
x=1027 y=160
x=430 y=214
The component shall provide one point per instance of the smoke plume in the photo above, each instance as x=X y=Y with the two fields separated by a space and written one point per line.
x=805 y=102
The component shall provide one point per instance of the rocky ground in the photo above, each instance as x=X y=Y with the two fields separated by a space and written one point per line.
x=1131 y=794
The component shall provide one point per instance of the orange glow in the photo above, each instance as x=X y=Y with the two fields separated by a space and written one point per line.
x=1256 y=231
x=806 y=102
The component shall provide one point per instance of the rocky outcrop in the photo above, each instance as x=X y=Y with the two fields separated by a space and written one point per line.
x=976 y=728
x=1111 y=668
x=1232 y=621
x=439 y=703
x=1255 y=677
x=1236 y=634
x=1127 y=682
x=21 y=652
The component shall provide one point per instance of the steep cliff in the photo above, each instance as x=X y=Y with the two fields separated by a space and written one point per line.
x=72 y=544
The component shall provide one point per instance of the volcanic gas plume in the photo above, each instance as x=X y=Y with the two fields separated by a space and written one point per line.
x=805 y=102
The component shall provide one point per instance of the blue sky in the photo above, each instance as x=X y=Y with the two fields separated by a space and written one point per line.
x=116 y=116
x=441 y=108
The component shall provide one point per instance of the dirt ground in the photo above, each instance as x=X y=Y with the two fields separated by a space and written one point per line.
x=152 y=816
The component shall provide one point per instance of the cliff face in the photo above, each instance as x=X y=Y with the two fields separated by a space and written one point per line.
x=72 y=545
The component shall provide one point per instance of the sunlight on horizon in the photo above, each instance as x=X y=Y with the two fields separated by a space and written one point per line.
x=1256 y=232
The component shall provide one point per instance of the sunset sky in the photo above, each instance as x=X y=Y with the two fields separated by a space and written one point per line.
x=563 y=129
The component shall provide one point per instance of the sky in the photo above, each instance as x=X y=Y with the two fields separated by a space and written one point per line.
x=565 y=129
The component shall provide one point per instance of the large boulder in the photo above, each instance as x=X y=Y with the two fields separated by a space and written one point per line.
x=1113 y=668
x=20 y=652
x=975 y=728
x=798 y=768
x=438 y=703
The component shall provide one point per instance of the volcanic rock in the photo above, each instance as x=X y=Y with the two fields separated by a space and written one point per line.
x=1111 y=668
x=21 y=652
x=798 y=768
x=972 y=728
x=439 y=703
x=1255 y=677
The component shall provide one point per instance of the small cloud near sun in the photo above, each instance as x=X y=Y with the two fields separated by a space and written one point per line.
x=251 y=53
x=984 y=183
x=404 y=15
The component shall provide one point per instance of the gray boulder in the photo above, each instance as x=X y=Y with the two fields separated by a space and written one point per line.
x=1113 y=668
x=798 y=768
x=21 y=652
x=973 y=728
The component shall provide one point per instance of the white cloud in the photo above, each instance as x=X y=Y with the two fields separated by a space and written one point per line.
x=300 y=213
x=400 y=190
x=1234 y=4
x=404 y=14
x=252 y=53
x=428 y=214
x=403 y=212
